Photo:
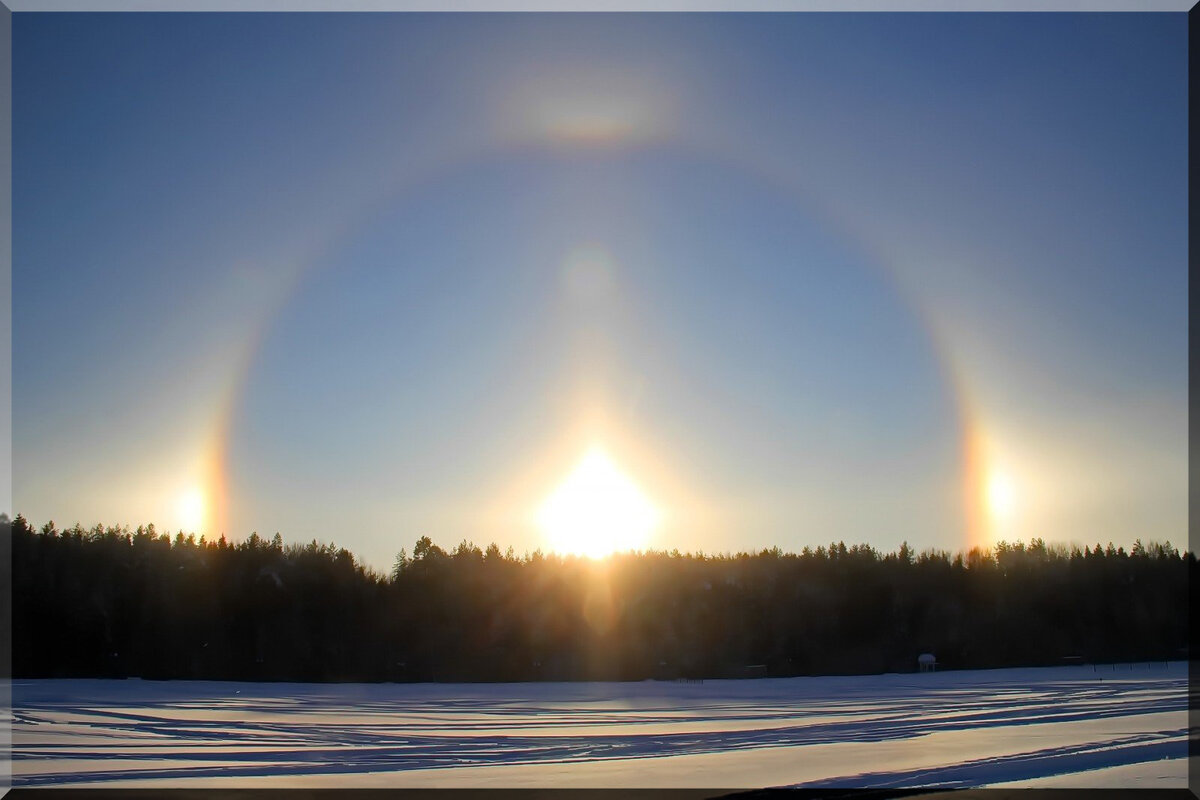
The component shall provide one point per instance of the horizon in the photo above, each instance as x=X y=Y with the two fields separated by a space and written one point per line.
x=679 y=282
x=1056 y=548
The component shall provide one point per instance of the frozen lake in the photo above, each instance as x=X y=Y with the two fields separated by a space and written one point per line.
x=1062 y=726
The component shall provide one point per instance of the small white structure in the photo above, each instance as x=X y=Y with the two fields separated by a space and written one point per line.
x=926 y=662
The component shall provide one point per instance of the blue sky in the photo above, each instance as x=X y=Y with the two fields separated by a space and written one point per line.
x=398 y=271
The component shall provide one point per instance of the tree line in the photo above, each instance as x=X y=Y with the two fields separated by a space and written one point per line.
x=115 y=602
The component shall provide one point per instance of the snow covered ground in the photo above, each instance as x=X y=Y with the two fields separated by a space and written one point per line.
x=1062 y=726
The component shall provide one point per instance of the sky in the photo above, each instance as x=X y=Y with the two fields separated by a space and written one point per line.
x=797 y=278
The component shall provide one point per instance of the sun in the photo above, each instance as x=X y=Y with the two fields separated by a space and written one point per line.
x=597 y=510
x=1001 y=496
x=190 y=510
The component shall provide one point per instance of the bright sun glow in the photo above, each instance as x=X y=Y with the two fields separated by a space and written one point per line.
x=190 y=510
x=597 y=510
x=1001 y=496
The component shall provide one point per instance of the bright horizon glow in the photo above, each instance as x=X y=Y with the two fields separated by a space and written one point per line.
x=597 y=510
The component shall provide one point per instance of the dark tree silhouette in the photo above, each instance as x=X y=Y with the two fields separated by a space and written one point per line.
x=107 y=601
